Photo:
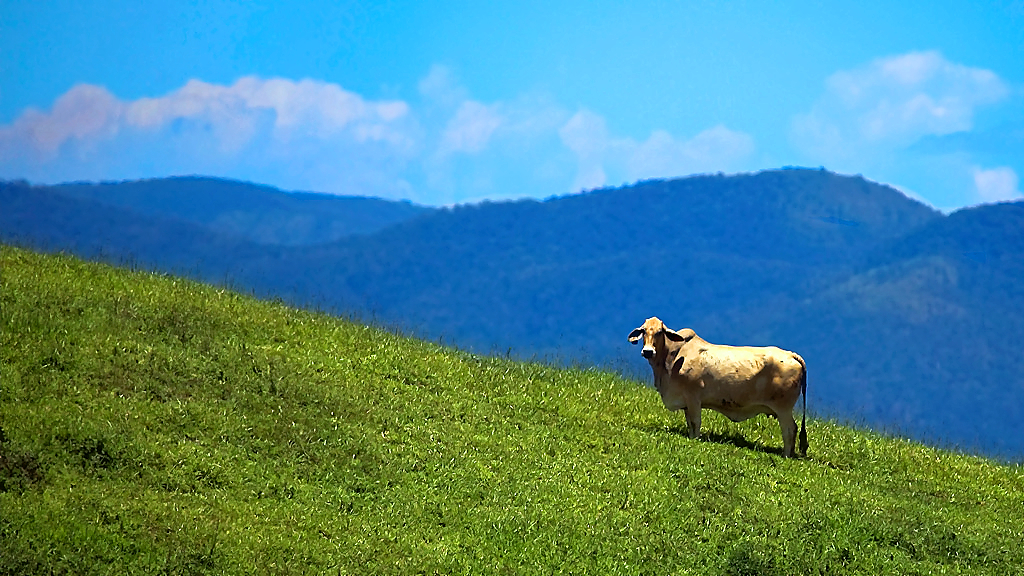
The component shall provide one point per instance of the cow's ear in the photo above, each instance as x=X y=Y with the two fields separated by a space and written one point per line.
x=635 y=335
x=682 y=336
x=673 y=335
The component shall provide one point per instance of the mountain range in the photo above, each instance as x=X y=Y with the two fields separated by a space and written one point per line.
x=909 y=319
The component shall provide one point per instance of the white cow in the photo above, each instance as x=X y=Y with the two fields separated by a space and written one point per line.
x=738 y=381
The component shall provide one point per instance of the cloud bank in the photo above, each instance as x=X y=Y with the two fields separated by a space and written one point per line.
x=889 y=117
x=251 y=129
x=908 y=119
x=893 y=102
x=997 y=184
x=604 y=159
x=315 y=135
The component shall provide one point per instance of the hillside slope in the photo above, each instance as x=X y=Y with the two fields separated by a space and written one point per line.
x=150 y=424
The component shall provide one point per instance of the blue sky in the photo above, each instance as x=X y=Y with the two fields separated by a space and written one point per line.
x=450 y=102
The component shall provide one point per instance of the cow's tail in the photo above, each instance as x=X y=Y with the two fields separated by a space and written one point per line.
x=803 y=421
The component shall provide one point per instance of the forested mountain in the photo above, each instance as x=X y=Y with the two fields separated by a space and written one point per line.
x=908 y=319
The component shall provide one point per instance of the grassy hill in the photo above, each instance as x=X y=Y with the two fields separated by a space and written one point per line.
x=154 y=425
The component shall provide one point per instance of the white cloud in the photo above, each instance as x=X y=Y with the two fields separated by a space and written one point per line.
x=305 y=134
x=307 y=107
x=660 y=156
x=315 y=135
x=892 y=102
x=474 y=126
x=500 y=149
x=996 y=184
x=586 y=135
x=471 y=128
x=440 y=87
x=83 y=113
x=714 y=149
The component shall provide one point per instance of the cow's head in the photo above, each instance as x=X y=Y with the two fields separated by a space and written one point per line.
x=655 y=334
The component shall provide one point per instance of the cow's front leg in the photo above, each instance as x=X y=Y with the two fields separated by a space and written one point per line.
x=693 y=417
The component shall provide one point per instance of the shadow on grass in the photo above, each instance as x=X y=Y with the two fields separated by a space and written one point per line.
x=729 y=439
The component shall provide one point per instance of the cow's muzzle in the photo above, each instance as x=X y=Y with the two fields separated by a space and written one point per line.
x=647 y=352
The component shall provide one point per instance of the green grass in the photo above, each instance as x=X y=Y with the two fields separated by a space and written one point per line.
x=151 y=425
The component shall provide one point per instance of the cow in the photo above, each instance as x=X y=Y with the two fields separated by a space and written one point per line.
x=738 y=381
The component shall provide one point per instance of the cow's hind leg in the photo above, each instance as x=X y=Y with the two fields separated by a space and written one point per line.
x=788 y=425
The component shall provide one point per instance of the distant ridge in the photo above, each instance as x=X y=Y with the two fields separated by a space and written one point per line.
x=259 y=213
x=47 y=219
